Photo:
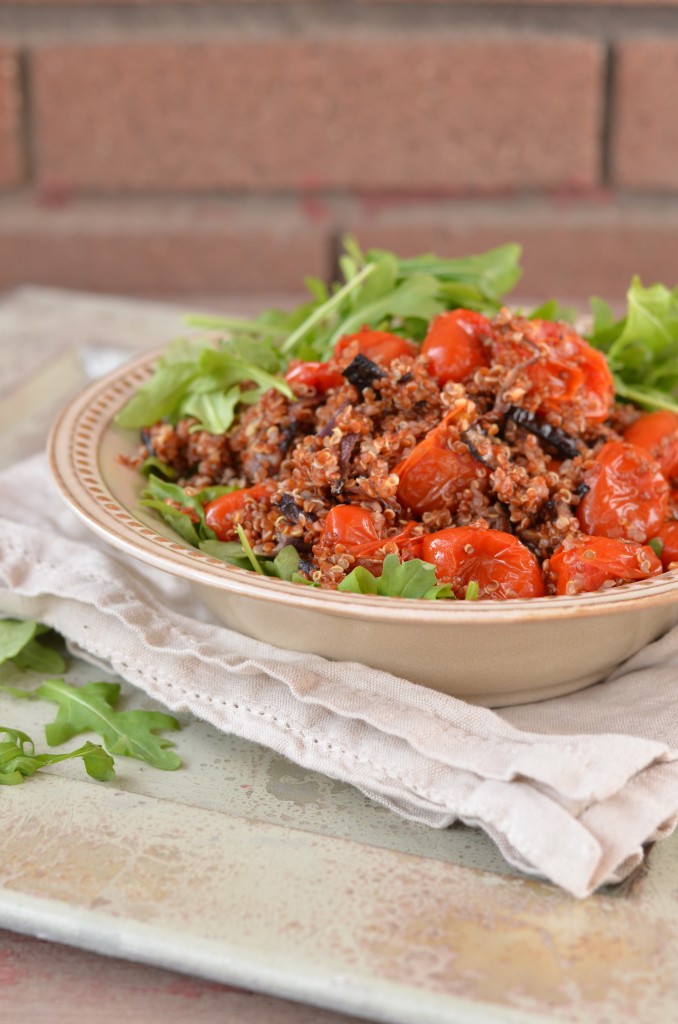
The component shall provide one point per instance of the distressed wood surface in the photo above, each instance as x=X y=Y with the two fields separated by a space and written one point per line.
x=48 y=982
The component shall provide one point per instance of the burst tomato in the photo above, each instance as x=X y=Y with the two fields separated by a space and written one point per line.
x=563 y=369
x=350 y=525
x=657 y=432
x=221 y=515
x=433 y=477
x=502 y=567
x=353 y=527
x=668 y=535
x=319 y=376
x=628 y=495
x=454 y=345
x=592 y=561
x=379 y=346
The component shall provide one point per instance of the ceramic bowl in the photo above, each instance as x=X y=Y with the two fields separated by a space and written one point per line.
x=489 y=653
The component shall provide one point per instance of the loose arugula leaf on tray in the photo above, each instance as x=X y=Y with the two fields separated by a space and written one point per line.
x=19 y=761
x=19 y=644
x=91 y=708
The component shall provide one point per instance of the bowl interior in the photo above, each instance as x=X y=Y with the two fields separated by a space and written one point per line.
x=404 y=636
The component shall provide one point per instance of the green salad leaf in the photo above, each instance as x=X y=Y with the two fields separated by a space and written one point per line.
x=18 y=759
x=415 y=578
x=186 y=514
x=20 y=644
x=208 y=379
x=641 y=347
x=91 y=708
x=204 y=382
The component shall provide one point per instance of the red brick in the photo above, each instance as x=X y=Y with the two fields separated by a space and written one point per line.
x=382 y=3
x=160 y=248
x=645 y=140
x=570 y=250
x=422 y=115
x=11 y=159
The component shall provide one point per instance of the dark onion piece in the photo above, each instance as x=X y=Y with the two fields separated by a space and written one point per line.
x=361 y=372
x=554 y=437
x=289 y=508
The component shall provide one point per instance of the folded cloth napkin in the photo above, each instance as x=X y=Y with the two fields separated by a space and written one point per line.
x=570 y=789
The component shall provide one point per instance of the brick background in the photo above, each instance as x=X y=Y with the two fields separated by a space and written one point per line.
x=646 y=115
x=148 y=248
x=320 y=113
x=11 y=162
x=180 y=147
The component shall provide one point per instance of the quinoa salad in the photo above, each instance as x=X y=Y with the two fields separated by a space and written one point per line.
x=471 y=454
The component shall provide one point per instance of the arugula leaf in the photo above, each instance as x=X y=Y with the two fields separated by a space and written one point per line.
x=202 y=380
x=91 y=708
x=229 y=551
x=192 y=528
x=19 y=643
x=642 y=347
x=552 y=310
x=18 y=759
x=416 y=579
x=153 y=466
x=492 y=273
x=160 y=396
x=214 y=410
x=205 y=378
x=286 y=563
x=14 y=636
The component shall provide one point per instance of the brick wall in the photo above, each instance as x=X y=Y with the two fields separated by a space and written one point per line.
x=210 y=146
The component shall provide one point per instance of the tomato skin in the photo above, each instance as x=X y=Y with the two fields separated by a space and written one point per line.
x=668 y=535
x=221 y=514
x=454 y=346
x=591 y=561
x=380 y=346
x=354 y=528
x=350 y=525
x=657 y=432
x=503 y=568
x=570 y=372
x=628 y=494
x=431 y=477
x=319 y=376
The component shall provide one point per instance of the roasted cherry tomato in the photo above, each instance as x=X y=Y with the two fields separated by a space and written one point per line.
x=668 y=535
x=350 y=525
x=319 y=376
x=454 y=344
x=353 y=527
x=433 y=477
x=502 y=567
x=592 y=561
x=379 y=346
x=563 y=369
x=221 y=515
x=628 y=494
x=657 y=432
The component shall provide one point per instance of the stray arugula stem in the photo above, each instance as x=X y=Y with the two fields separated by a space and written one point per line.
x=249 y=551
x=322 y=311
x=230 y=323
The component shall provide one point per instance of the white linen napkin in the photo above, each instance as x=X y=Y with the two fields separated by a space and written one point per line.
x=570 y=789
